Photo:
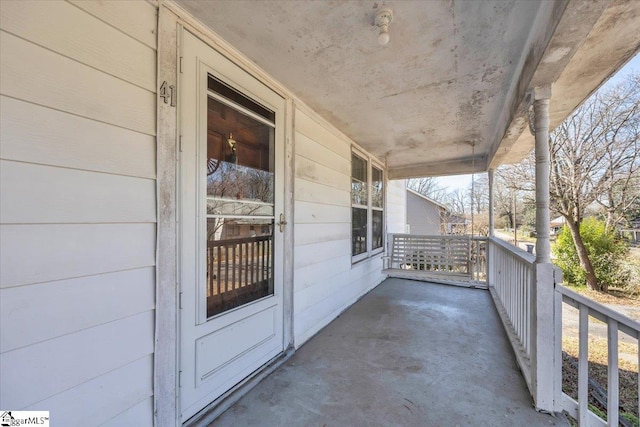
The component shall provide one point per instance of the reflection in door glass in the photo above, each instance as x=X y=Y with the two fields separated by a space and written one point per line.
x=240 y=197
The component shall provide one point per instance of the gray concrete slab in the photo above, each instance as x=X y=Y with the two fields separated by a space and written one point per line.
x=407 y=354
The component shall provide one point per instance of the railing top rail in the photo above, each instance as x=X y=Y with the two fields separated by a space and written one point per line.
x=236 y=241
x=601 y=312
x=433 y=236
x=515 y=251
x=463 y=237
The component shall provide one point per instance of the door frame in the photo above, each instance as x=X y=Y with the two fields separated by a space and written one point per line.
x=172 y=19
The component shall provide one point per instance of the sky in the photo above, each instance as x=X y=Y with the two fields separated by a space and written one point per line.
x=455 y=182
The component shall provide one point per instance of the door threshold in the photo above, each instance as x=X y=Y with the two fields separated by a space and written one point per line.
x=213 y=410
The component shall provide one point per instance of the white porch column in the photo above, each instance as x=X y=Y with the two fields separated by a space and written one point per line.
x=541 y=119
x=543 y=357
x=491 y=201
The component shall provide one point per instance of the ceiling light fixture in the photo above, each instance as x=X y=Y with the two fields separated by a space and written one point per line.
x=383 y=18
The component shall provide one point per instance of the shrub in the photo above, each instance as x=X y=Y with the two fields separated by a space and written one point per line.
x=631 y=269
x=606 y=252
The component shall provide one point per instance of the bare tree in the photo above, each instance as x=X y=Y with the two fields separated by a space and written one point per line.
x=595 y=159
x=479 y=194
x=622 y=151
x=458 y=201
x=429 y=187
x=514 y=189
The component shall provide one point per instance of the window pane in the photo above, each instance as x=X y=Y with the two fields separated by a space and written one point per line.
x=358 y=231
x=359 y=178
x=378 y=227
x=376 y=188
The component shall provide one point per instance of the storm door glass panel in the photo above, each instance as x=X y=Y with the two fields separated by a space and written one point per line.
x=240 y=199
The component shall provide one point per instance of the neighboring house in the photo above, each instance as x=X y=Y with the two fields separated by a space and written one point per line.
x=125 y=125
x=557 y=224
x=424 y=215
x=457 y=224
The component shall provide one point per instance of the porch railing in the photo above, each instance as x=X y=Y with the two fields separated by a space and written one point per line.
x=238 y=271
x=237 y=263
x=511 y=273
x=449 y=259
x=616 y=323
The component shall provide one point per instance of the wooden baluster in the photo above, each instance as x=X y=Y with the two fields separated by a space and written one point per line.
x=233 y=267
x=240 y=265
x=219 y=277
x=226 y=268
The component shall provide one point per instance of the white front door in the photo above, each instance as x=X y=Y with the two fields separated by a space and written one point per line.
x=231 y=188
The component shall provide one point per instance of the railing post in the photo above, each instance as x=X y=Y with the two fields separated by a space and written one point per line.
x=544 y=355
x=387 y=260
x=489 y=262
x=557 y=278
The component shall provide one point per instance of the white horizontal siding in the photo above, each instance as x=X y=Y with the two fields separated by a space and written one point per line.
x=38 y=75
x=317 y=213
x=35 y=319
x=138 y=19
x=322 y=136
x=63 y=28
x=46 y=252
x=311 y=254
x=307 y=191
x=315 y=273
x=140 y=415
x=78 y=209
x=307 y=234
x=332 y=284
x=37 y=134
x=111 y=397
x=325 y=280
x=312 y=171
x=45 y=194
x=39 y=371
x=310 y=149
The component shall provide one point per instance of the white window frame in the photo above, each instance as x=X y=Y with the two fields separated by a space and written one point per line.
x=371 y=163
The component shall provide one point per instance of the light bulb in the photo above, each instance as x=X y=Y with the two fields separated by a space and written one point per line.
x=383 y=19
x=383 y=38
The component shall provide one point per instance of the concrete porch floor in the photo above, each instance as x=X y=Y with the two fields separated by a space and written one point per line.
x=407 y=354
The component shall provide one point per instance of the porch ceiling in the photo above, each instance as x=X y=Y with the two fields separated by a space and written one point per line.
x=453 y=72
